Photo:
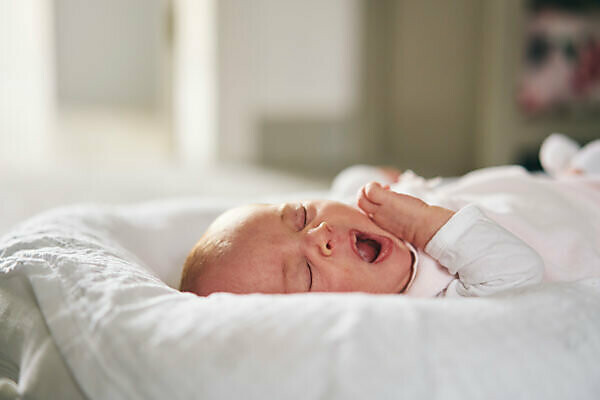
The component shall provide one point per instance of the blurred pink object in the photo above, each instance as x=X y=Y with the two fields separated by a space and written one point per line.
x=562 y=65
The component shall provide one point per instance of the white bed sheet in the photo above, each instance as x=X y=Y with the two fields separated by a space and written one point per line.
x=100 y=274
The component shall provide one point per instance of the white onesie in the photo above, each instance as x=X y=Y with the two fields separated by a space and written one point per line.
x=509 y=225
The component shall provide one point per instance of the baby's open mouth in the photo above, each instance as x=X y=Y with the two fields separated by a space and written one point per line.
x=370 y=247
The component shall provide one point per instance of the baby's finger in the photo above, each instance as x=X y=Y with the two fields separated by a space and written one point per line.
x=366 y=205
x=376 y=193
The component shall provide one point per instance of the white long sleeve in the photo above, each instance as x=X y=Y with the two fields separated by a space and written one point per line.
x=487 y=257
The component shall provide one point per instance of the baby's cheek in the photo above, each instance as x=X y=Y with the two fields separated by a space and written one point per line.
x=336 y=276
x=346 y=283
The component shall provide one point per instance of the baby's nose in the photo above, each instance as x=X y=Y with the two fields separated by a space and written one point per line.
x=326 y=248
x=321 y=236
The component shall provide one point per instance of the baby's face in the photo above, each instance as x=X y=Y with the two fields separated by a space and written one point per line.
x=318 y=246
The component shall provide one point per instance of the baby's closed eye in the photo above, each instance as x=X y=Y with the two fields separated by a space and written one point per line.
x=301 y=216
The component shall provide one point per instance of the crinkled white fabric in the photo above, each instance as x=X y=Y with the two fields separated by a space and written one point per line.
x=31 y=366
x=124 y=334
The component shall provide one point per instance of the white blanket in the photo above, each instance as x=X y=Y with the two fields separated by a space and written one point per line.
x=100 y=274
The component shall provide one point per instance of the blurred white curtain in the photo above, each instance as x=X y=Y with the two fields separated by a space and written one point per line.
x=194 y=86
x=26 y=81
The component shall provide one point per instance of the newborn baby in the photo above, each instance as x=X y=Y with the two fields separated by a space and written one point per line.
x=391 y=243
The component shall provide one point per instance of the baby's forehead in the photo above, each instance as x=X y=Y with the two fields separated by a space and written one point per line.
x=241 y=218
x=243 y=227
x=250 y=237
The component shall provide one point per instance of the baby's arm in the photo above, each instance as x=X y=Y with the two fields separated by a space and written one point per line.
x=486 y=257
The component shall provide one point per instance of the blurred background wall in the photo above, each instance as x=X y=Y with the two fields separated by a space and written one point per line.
x=307 y=86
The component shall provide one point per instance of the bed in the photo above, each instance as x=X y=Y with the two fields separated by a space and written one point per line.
x=89 y=309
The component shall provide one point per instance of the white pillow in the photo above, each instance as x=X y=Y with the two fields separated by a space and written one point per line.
x=100 y=274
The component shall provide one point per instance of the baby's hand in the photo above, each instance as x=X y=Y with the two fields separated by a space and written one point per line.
x=406 y=217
